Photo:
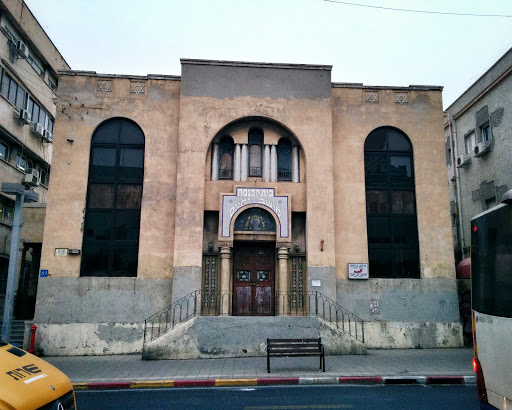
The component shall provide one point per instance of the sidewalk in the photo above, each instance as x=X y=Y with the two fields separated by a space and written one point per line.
x=430 y=366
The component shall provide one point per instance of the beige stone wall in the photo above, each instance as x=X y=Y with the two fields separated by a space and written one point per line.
x=422 y=120
x=85 y=107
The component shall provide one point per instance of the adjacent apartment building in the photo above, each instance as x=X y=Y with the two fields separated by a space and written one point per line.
x=478 y=130
x=256 y=191
x=29 y=64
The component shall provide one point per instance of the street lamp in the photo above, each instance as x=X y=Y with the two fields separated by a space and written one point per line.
x=22 y=195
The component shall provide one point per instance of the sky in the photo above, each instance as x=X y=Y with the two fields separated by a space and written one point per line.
x=373 y=46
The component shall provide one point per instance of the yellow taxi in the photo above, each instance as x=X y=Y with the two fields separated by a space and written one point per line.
x=28 y=382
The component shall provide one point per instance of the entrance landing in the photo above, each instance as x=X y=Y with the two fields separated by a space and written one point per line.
x=231 y=336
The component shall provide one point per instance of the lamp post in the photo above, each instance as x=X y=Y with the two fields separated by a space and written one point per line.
x=22 y=196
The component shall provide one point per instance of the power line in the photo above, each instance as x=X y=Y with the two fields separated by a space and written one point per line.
x=418 y=11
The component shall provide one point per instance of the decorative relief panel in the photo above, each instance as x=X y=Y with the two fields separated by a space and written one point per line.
x=372 y=97
x=105 y=86
x=401 y=98
x=138 y=88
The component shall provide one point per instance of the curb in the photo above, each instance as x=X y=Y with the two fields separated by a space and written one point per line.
x=273 y=381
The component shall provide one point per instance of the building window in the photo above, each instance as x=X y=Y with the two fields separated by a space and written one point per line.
x=114 y=195
x=36 y=66
x=255 y=152
x=12 y=91
x=39 y=115
x=4 y=152
x=226 y=149
x=21 y=162
x=284 y=160
x=6 y=213
x=469 y=143
x=393 y=248
x=485 y=133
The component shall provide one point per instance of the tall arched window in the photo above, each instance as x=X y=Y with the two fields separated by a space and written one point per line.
x=114 y=192
x=226 y=147
x=391 y=205
x=255 y=152
x=284 y=160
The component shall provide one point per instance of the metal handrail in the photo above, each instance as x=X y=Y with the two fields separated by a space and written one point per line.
x=198 y=303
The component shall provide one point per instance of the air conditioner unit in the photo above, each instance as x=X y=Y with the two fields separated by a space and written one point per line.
x=481 y=148
x=37 y=129
x=47 y=136
x=31 y=177
x=22 y=49
x=23 y=115
x=463 y=160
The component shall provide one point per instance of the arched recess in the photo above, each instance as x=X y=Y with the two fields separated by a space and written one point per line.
x=114 y=193
x=264 y=150
x=393 y=247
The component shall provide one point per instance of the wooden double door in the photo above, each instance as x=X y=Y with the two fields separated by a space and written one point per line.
x=254 y=279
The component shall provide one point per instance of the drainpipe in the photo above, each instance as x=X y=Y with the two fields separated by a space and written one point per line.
x=456 y=173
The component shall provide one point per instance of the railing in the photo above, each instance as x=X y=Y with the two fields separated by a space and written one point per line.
x=200 y=303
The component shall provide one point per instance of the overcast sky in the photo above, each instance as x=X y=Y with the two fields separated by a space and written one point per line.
x=365 y=45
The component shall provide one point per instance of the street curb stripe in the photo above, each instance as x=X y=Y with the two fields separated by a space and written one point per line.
x=318 y=380
x=194 y=383
x=268 y=381
x=277 y=380
x=151 y=384
x=360 y=380
x=236 y=382
x=445 y=380
x=109 y=386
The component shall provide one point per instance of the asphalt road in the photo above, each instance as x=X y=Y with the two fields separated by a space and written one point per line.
x=285 y=398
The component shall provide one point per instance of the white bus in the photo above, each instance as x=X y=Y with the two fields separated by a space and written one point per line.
x=491 y=291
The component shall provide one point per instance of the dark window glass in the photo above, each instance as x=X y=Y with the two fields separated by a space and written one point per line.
x=5 y=85
x=114 y=197
x=390 y=205
x=284 y=160
x=99 y=225
x=255 y=152
x=101 y=196
x=35 y=112
x=20 y=98
x=103 y=163
x=402 y=202
x=226 y=147
x=131 y=162
x=491 y=262
x=13 y=90
x=377 y=202
x=128 y=196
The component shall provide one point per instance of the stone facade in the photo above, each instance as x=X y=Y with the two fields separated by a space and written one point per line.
x=192 y=203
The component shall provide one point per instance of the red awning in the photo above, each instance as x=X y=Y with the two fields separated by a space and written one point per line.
x=464 y=269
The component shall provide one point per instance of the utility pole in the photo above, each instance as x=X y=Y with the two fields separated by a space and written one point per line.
x=22 y=196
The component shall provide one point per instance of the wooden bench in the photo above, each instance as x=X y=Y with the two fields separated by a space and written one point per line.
x=295 y=348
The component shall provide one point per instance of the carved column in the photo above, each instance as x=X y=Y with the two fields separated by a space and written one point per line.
x=215 y=162
x=273 y=163
x=237 y=162
x=244 y=163
x=266 y=163
x=225 y=275
x=282 y=255
x=295 y=163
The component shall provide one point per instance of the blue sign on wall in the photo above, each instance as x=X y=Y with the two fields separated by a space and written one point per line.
x=44 y=273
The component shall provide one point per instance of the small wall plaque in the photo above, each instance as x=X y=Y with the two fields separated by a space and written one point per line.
x=316 y=283
x=61 y=251
x=358 y=271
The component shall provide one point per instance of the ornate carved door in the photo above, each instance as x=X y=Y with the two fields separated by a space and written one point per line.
x=254 y=279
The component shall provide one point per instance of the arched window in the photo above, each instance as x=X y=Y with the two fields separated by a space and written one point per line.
x=284 y=160
x=391 y=205
x=255 y=152
x=114 y=193
x=226 y=147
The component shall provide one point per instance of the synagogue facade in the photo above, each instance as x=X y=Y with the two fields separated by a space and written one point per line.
x=252 y=189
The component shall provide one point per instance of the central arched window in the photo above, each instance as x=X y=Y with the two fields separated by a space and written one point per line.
x=226 y=147
x=114 y=193
x=255 y=152
x=391 y=205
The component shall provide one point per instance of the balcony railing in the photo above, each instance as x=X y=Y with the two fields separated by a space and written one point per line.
x=200 y=303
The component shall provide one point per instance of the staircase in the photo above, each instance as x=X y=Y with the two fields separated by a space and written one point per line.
x=17 y=332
